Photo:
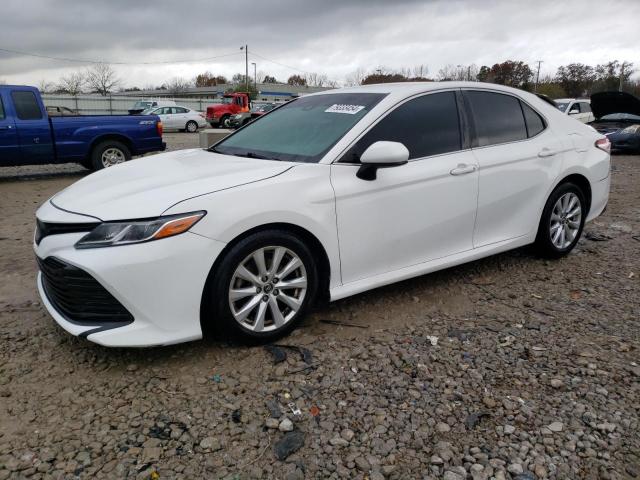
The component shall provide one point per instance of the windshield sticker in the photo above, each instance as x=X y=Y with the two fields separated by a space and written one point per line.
x=343 y=108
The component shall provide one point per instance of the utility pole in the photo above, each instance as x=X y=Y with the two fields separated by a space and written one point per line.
x=255 y=76
x=621 y=76
x=537 y=76
x=246 y=67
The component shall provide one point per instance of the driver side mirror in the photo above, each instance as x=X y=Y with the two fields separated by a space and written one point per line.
x=381 y=155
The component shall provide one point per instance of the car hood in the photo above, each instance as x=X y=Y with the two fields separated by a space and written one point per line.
x=148 y=186
x=604 y=103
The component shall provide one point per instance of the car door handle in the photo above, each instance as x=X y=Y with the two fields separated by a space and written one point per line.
x=547 y=152
x=463 y=169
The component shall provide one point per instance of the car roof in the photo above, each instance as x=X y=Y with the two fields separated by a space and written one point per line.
x=573 y=100
x=407 y=89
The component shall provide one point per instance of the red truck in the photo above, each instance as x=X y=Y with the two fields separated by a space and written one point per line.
x=218 y=115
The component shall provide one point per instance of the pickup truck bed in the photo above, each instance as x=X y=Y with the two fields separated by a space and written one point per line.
x=28 y=136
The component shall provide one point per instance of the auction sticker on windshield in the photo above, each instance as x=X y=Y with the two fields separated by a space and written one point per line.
x=343 y=108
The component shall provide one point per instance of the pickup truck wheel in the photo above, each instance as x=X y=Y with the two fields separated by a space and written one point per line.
x=109 y=153
x=191 y=127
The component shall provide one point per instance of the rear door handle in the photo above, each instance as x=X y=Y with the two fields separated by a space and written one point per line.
x=463 y=169
x=547 y=152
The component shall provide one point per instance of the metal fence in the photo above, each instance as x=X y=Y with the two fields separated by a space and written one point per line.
x=115 y=104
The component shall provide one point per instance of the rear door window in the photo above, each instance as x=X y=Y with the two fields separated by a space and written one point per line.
x=26 y=105
x=535 y=123
x=427 y=125
x=498 y=118
x=585 y=107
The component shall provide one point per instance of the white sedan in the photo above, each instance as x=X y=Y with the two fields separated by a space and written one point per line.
x=580 y=109
x=179 y=118
x=327 y=196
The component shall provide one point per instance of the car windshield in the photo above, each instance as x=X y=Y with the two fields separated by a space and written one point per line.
x=302 y=130
x=149 y=111
x=227 y=100
x=562 y=106
x=141 y=105
x=621 y=117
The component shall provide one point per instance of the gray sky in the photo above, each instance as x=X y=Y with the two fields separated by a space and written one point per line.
x=334 y=37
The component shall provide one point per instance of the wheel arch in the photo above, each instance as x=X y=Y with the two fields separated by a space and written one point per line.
x=317 y=249
x=110 y=136
x=582 y=182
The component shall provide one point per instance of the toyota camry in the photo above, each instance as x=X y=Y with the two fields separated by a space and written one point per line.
x=330 y=195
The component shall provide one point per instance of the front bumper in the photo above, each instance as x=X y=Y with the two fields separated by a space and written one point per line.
x=161 y=283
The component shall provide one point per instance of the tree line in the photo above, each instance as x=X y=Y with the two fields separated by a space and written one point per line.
x=571 y=80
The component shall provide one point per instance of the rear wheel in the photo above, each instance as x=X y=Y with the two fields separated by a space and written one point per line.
x=263 y=287
x=109 y=153
x=562 y=221
x=191 y=127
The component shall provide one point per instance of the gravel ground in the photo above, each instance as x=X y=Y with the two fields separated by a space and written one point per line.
x=508 y=367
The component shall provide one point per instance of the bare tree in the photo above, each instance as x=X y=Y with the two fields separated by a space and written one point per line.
x=72 y=83
x=178 y=85
x=46 y=87
x=316 y=79
x=355 y=78
x=102 y=78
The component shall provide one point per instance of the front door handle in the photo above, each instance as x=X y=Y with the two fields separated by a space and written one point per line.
x=547 y=152
x=463 y=169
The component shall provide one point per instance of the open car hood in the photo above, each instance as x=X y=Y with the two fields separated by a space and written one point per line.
x=604 y=103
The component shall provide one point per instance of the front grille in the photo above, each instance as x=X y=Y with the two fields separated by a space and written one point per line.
x=44 y=229
x=78 y=296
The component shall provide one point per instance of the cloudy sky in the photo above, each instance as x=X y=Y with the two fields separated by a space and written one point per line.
x=334 y=37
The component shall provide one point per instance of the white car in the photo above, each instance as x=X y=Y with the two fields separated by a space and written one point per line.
x=578 y=108
x=179 y=118
x=327 y=196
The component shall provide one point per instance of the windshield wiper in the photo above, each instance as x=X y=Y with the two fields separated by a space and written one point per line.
x=255 y=155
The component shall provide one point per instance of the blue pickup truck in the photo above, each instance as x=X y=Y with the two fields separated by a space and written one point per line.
x=28 y=136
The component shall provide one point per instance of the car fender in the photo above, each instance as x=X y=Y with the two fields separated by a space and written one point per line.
x=302 y=196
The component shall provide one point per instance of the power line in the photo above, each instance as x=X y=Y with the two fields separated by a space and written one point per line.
x=286 y=66
x=78 y=60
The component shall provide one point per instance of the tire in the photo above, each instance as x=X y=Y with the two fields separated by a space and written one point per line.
x=117 y=151
x=223 y=122
x=226 y=315
x=558 y=220
x=191 y=127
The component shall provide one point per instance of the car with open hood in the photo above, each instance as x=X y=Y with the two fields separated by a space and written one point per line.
x=327 y=196
x=618 y=117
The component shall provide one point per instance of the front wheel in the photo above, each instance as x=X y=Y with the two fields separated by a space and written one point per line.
x=224 y=122
x=263 y=287
x=562 y=221
x=109 y=153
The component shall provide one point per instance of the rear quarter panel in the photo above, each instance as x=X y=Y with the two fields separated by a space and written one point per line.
x=75 y=136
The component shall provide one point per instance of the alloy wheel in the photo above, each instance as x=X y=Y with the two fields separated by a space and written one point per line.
x=267 y=289
x=112 y=156
x=566 y=218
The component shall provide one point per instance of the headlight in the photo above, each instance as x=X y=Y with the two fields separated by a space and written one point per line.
x=109 y=234
x=238 y=117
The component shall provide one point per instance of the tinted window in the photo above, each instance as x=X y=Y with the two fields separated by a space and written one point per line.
x=26 y=105
x=180 y=110
x=1 y=110
x=427 y=125
x=498 y=118
x=535 y=123
x=585 y=107
x=302 y=130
